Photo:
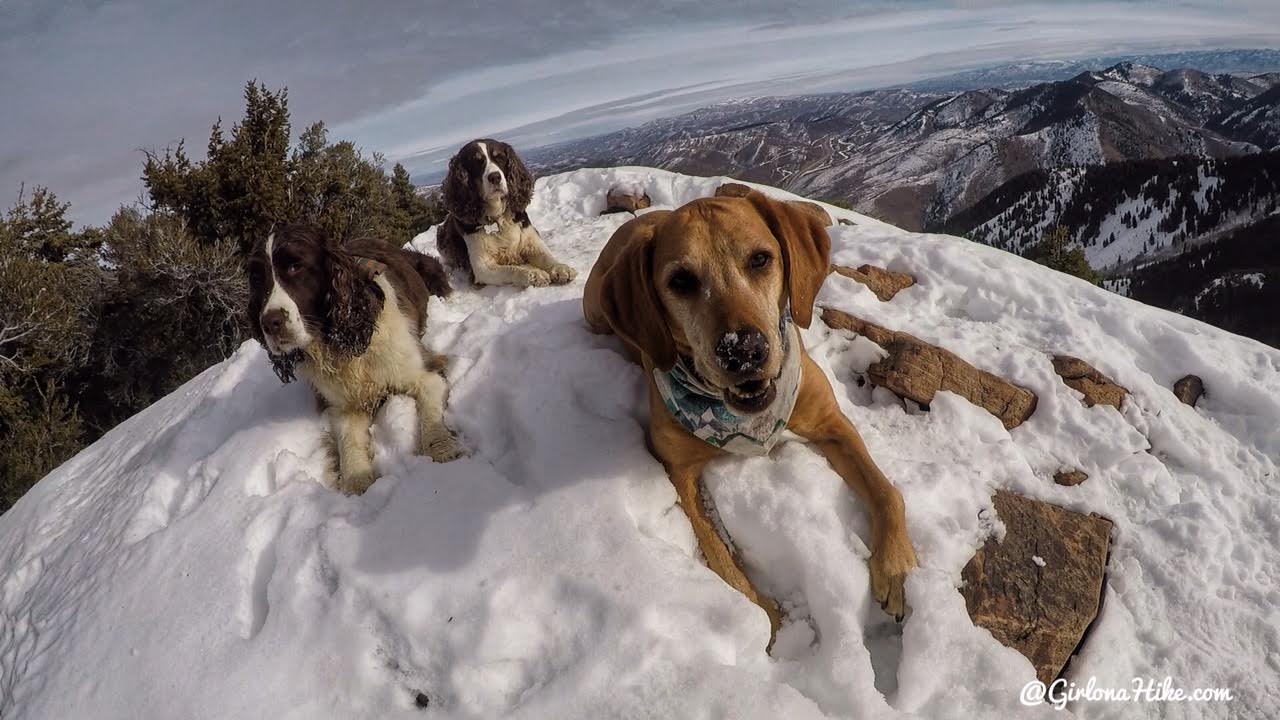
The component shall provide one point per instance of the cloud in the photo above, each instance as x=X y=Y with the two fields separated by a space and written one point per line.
x=87 y=85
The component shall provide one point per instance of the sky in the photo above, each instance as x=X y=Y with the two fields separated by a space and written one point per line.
x=87 y=87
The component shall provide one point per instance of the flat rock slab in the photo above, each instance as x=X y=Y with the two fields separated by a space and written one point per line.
x=740 y=190
x=884 y=283
x=621 y=200
x=1039 y=589
x=916 y=370
x=1189 y=389
x=1098 y=389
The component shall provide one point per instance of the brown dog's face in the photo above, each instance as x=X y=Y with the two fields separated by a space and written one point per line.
x=719 y=274
x=710 y=281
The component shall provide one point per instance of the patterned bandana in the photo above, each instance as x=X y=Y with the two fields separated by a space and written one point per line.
x=700 y=408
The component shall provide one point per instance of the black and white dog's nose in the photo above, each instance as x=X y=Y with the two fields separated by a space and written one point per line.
x=742 y=351
x=495 y=177
x=273 y=321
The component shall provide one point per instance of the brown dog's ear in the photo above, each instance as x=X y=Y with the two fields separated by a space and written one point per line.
x=806 y=252
x=354 y=303
x=630 y=301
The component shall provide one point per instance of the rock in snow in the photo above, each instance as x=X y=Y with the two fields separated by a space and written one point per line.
x=622 y=199
x=1043 y=607
x=1098 y=389
x=1070 y=478
x=188 y=564
x=915 y=370
x=884 y=283
x=1189 y=389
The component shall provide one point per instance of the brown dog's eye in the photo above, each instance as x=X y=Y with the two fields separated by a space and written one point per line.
x=760 y=260
x=683 y=282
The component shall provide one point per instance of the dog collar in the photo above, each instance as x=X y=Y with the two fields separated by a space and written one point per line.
x=493 y=225
x=701 y=409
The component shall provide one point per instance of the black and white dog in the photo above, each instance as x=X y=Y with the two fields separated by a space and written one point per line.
x=487 y=231
x=349 y=317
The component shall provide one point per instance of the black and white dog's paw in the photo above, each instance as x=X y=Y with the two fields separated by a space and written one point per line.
x=441 y=445
x=561 y=274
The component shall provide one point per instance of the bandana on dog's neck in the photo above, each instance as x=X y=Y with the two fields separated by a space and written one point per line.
x=701 y=409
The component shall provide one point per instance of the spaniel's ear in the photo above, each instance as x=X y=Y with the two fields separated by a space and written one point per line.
x=629 y=299
x=806 y=252
x=354 y=303
x=519 y=181
x=460 y=199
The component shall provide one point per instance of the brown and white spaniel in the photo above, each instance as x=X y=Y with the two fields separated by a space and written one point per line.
x=487 y=231
x=349 y=317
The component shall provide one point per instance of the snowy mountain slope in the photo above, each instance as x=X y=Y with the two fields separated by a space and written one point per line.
x=770 y=139
x=1257 y=121
x=1124 y=213
x=917 y=158
x=1232 y=283
x=189 y=565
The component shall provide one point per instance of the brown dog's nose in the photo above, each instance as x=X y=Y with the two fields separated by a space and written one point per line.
x=742 y=351
x=495 y=177
x=273 y=321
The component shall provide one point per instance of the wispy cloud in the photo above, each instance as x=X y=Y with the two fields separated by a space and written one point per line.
x=86 y=86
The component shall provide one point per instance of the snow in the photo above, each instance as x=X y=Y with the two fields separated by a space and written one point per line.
x=188 y=564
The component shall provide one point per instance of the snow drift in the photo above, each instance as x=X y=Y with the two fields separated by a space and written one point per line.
x=189 y=564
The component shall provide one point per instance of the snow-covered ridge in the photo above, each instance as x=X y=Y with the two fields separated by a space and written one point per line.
x=1126 y=213
x=189 y=565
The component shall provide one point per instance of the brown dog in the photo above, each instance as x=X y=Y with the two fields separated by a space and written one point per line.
x=703 y=297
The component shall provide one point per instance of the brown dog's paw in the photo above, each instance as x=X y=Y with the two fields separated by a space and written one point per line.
x=561 y=274
x=355 y=483
x=889 y=566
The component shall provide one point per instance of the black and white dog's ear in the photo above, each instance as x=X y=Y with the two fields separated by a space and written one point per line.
x=354 y=303
x=461 y=200
x=519 y=181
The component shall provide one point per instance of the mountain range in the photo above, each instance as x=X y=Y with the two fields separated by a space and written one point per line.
x=917 y=158
x=1139 y=163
